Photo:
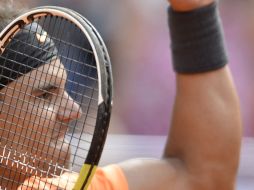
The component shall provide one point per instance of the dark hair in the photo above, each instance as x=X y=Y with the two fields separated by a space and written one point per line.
x=9 y=11
x=33 y=53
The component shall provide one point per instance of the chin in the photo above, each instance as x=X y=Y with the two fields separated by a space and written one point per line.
x=51 y=161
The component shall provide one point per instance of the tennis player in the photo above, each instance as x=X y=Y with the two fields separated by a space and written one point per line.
x=203 y=148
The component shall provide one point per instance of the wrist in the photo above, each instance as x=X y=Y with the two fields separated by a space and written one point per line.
x=197 y=40
x=184 y=5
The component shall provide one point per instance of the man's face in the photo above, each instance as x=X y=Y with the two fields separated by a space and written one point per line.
x=35 y=112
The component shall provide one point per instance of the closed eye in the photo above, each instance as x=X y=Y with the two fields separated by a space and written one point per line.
x=46 y=93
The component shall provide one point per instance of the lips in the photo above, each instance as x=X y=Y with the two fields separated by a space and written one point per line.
x=59 y=132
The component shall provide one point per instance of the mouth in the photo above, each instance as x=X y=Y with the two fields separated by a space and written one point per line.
x=27 y=163
x=60 y=133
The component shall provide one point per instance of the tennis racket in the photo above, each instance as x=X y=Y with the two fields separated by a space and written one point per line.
x=55 y=98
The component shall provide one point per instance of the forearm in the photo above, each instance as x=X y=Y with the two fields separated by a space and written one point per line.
x=206 y=126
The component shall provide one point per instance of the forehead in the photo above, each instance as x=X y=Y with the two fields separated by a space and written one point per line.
x=51 y=73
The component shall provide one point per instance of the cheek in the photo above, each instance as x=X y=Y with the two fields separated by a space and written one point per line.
x=36 y=120
x=43 y=117
x=33 y=120
x=19 y=120
x=10 y=118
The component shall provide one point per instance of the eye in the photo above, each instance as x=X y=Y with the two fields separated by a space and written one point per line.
x=46 y=93
x=45 y=96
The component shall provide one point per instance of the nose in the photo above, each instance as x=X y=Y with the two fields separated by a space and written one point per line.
x=69 y=109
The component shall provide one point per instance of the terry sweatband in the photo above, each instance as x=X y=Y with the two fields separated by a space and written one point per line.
x=197 y=40
x=30 y=48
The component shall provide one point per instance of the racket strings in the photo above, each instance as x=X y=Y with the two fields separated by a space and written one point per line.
x=89 y=136
x=82 y=154
x=92 y=108
x=72 y=91
x=89 y=122
x=90 y=114
x=16 y=157
x=87 y=130
x=30 y=67
x=62 y=56
x=62 y=41
x=29 y=163
x=78 y=85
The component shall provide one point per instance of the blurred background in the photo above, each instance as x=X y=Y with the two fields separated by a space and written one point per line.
x=136 y=34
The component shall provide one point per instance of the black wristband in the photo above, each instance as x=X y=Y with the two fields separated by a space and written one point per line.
x=197 y=40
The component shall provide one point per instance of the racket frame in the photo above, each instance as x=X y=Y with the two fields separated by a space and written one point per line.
x=105 y=79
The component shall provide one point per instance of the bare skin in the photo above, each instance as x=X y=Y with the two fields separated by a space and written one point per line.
x=203 y=148
x=35 y=117
x=188 y=5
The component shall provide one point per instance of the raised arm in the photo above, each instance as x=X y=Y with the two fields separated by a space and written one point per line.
x=206 y=125
x=202 y=151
